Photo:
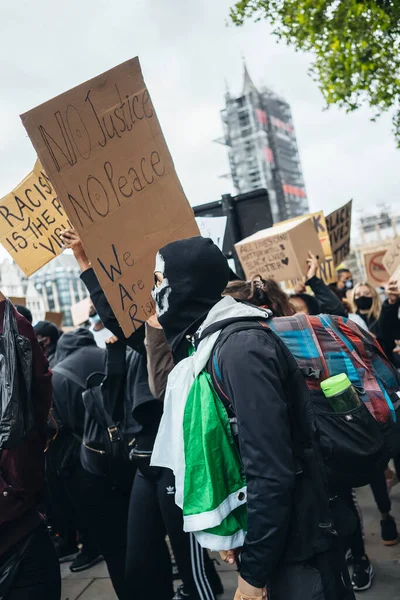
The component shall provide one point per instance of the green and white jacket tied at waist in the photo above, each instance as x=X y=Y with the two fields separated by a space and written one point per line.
x=195 y=441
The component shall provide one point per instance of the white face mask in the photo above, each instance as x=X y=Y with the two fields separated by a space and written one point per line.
x=95 y=319
x=161 y=293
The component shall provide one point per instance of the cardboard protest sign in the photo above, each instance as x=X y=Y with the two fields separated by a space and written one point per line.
x=19 y=300
x=54 y=317
x=375 y=270
x=280 y=252
x=339 y=229
x=31 y=219
x=80 y=312
x=320 y=227
x=214 y=228
x=102 y=147
x=326 y=271
x=391 y=259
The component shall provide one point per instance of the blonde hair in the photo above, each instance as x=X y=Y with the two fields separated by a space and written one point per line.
x=376 y=307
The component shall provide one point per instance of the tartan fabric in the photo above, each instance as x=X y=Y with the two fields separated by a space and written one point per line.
x=334 y=345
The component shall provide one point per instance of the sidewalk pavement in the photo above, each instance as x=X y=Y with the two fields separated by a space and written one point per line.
x=95 y=585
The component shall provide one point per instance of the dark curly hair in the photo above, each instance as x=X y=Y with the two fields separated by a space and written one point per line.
x=261 y=292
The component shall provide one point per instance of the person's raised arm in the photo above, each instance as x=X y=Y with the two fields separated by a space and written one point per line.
x=329 y=302
x=135 y=340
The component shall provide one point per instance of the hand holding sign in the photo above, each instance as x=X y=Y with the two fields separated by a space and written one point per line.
x=392 y=291
x=71 y=240
x=313 y=265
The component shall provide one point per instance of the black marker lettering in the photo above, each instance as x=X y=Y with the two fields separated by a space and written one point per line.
x=113 y=268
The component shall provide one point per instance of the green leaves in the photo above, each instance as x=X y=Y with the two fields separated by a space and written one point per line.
x=355 y=44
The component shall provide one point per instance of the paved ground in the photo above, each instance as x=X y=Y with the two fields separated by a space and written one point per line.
x=95 y=585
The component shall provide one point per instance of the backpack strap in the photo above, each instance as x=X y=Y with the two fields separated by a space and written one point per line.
x=70 y=375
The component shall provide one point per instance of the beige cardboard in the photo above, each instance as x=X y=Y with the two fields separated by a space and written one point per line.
x=319 y=222
x=375 y=270
x=327 y=269
x=31 y=219
x=339 y=229
x=102 y=146
x=80 y=312
x=280 y=252
x=54 y=317
x=391 y=259
x=20 y=300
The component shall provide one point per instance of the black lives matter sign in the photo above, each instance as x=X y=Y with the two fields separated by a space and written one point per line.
x=339 y=229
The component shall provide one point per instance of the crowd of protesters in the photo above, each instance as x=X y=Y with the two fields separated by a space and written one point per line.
x=74 y=491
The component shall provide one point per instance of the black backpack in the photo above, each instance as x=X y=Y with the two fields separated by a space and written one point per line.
x=349 y=448
x=107 y=432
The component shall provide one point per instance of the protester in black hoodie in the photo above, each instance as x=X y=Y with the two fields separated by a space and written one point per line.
x=77 y=357
x=48 y=335
x=285 y=548
x=153 y=513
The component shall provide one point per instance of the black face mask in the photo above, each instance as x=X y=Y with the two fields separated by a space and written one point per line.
x=195 y=275
x=363 y=303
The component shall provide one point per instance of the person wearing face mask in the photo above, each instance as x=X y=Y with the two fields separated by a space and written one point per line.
x=48 y=335
x=100 y=333
x=366 y=307
x=190 y=278
x=153 y=513
x=344 y=283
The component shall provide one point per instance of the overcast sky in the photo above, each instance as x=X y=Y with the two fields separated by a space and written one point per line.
x=187 y=52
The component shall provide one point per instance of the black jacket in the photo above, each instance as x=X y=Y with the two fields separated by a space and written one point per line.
x=268 y=393
x=147 y=411
x=77 y=354
x=387 y=327
x=329 y=302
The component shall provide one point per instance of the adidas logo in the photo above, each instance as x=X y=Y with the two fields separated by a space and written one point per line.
x=170 y=490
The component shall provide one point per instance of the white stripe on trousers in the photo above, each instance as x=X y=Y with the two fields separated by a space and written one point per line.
x=197 y=559
x=360 y=515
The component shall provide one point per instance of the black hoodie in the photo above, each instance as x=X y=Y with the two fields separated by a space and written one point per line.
x=77 y=357
x=190 y=288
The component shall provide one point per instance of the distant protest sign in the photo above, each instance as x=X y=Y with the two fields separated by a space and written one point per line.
x=214 y=228
x=391 y=260
x=339 y=229
x=326 y=270
x=102 y=147
x=280 y=252
x=54 y=317
x=31 y=219
x=375 y=270
x=80 y=312
x=17 y=300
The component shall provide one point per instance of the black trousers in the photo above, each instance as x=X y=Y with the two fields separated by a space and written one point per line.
x=63 y=487
x=38 y=575
x=356 y=541
x=153 y=514
x=325 y=577
x=381 y=493
x=104 y=503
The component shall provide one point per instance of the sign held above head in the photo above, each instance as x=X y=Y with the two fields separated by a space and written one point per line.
x=31 y=220
x=102 y=146
x=280 y=252
x=339 y=229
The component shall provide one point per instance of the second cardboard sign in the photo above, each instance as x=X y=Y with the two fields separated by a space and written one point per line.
x=280 y=252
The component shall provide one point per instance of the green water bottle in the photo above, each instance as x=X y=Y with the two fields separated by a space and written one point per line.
x=341 y=394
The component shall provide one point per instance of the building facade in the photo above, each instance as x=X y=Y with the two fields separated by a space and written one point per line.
x=262 y=148
x=55 y=287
